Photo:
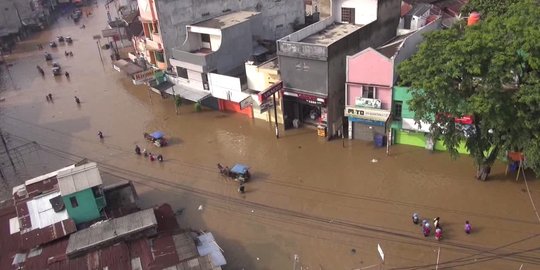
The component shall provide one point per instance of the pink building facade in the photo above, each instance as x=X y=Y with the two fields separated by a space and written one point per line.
x=150 y=45
x=368 y=94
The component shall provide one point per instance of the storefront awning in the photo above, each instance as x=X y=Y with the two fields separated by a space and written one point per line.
x=162 y=87
x=126 y=67
x=188 y=93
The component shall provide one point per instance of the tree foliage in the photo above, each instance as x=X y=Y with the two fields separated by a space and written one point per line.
x=488 y=7
x=490 y=71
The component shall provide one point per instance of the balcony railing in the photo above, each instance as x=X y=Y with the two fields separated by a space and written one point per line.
x=205 y=60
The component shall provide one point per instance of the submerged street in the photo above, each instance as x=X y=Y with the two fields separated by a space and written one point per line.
x=329 y=203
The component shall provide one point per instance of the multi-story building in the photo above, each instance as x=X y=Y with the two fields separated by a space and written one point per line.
x=149 y=46
x=312 y=60
x=262 y=77
x=371 y=75
x=208 y=44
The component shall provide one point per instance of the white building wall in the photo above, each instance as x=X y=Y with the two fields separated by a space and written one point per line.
x=365 y=11
x=278 y=17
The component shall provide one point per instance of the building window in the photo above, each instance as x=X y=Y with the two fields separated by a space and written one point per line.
x=204 y=78
x=74 y=203
x=347 y=15
x=156 y=28
x=97 y=192
x=205 y=38
x=398 y=106
x=369 y=92
x=182 y=72
x=159 y=57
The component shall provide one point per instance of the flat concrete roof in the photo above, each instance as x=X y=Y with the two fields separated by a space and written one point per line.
x=227 y=20
x=331 y=34
x=270 y=64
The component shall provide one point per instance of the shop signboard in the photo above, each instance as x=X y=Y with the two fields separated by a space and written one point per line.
x=268 y=92
x=246 y=102
x=410 y=124
x=319 y=101
x=368 y=102
x=109 y=32
x=143 y=76
x=267 y=105
x=367 y=113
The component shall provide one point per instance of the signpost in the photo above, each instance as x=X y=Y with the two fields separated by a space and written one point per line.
x=264 y=95
x=265 y=106
x=246 y=103
x=263 y=98
x=98 y=38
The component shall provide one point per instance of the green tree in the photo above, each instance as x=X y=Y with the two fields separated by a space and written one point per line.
x=177 y=102
x=488 y=7
x=489 y=71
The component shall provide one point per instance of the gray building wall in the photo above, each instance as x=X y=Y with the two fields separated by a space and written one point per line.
x=373 y=35
x=304 y=74
x=9 y=19
x=236 y=47
x=277 y=19
x=332 y=59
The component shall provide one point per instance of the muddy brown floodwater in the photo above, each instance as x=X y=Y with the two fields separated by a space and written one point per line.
x=327 y=204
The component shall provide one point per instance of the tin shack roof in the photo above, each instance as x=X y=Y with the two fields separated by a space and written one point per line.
x=111 y=231
x=78 y=178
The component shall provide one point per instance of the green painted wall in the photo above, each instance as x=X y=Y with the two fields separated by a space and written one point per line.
x=419 y=139
x=87 y=209
x=402 y=94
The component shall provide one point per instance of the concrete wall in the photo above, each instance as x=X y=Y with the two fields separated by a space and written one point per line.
x=365 y=11
x=236 y=47
x=8 y=13
x=379 y=32
x=147 y=9
x=304 y=74
x=410 y=45
x=370 y=67
x=87 y=208
x=277 y=17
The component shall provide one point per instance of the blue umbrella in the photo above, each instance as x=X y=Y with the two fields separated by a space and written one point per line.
x=157 y=134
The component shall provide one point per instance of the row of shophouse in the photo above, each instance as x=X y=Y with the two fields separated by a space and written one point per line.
x=261 y=59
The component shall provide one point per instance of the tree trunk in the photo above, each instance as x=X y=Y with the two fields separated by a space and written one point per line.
x=483 y=172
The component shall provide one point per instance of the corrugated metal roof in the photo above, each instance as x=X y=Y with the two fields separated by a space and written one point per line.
x=78 y=178
x=208 y=246
x=9 y=243
x=42 y=213
x=110 y=231
x=45 y=176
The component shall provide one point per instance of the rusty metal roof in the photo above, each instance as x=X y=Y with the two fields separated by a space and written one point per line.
x=169 y=249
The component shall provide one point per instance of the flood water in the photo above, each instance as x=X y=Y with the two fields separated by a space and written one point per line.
x=325 y=202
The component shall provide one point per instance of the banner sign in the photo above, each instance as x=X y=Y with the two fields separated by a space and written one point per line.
x=368 y=102
x=143 y=76
x=246 y=103
x=367 y=113
x=307 y=98
x=109 y=32
x=265 y=106
x=268 y=92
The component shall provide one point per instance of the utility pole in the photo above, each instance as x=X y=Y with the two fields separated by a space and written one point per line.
x=7 y=150
x=275 y=115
